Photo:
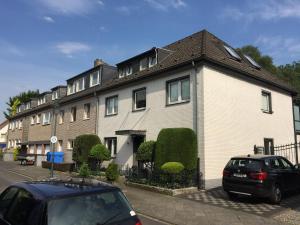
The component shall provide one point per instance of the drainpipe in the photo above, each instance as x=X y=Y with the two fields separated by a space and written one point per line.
x=295 y=134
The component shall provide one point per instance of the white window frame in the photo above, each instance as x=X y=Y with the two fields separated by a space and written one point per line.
x=149 y=61
x=77 y=84
x=71 y=88
x=47 y=118
x=114 y=110
x=134 y=99
x=38 y=118
x=85 y=115
x=32 y=120
x=268 y=96
x=27 y=106
x=20 y=124
x=70 y=144
x=114 y=146
x=141 y=64
x=42 y=100
x=60 y=145
x=179 y=83
x=55 y=95
x=72 y=119
x=61 y=117
x=121 y=73
x=98 y=78
x=128 y=70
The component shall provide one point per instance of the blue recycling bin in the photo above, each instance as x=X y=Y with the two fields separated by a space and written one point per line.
x=58 y=157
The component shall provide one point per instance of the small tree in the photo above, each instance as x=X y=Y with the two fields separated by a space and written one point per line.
x=82 y=147
x=172 y=169
x=100 y=153
x=112 y=172
x=84 y=170
x=145 y=153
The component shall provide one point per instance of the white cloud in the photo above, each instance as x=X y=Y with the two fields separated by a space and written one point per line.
x=71 y=48
x=7 y=48
x=165 y=5
x=48 y=19
x=279 y=47
x=125 y=10
x=265 y=10
x=103 y=28
x=69 y=7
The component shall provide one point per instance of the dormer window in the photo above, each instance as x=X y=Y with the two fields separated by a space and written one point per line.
x=143 y=64
x=128 y=70
x=71 y=88
x=121 y=73
x=55 y=95
x=80 y=84
x=42 y=100
x=27 y=106
x=152 y=61
x=94 y=78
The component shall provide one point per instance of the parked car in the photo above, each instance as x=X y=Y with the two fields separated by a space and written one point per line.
x=260 y=176
x=65 y=203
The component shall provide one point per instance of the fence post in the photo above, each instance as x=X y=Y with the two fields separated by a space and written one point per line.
x=198 y=174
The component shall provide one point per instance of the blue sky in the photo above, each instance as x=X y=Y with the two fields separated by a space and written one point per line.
x=44 y=42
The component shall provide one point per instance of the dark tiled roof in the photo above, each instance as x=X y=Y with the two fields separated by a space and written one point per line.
x=202 y=46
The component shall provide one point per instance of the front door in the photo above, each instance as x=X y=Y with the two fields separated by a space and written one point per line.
x=137 y=140
x=269 y=146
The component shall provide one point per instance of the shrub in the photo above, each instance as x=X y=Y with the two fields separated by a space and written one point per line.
x=1 y=154
x=172 y=167
x=176 y=145
x=112 y=172
x=82 y=146
x=16 y=153
x=64 y=167
x=100 y=153
x=145 y=151
x=84 y=170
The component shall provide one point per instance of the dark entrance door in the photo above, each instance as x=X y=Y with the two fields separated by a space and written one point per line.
x=137 y=140
x=269 y=146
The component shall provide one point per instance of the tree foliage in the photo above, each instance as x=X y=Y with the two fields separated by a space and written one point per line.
x=172 y=167
x=15 y=101
x=145 y=151
x=100 y=153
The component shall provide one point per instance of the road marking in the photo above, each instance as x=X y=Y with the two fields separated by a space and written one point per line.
x=155 y=219
x=19 y=174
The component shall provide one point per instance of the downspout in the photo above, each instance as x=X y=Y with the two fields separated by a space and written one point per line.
x=295 y=134
x=97 y=103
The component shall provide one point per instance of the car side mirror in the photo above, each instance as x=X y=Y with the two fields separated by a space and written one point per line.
x=297 y=167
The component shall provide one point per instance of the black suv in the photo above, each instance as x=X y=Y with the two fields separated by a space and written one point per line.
x=260 y=176
x=65 y=203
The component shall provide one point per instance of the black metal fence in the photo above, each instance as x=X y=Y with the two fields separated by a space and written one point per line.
x=289 y=151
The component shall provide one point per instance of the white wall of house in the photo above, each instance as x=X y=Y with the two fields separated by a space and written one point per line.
x=155 y=117
x=234 y=121
x=3 y=134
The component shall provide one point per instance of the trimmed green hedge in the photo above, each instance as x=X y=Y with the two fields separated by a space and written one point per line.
x=83 y=145
x=176 y=145
x=145 y=151
x=112 y=172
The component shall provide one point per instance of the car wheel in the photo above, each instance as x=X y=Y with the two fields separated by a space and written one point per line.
x=276 y=195
x=232 y=195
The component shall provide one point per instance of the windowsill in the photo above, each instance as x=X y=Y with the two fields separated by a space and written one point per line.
x=47 y=124
x=113 y=157
x=73 y=121
x=139 y=110
x=32 y=124
x=109 y=115
x=177 y=103
x=86 y=118
x=94 y=85
x=60 y=123
x=267 y=112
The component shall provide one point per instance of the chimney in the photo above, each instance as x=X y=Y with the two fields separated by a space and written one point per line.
x=98 y=62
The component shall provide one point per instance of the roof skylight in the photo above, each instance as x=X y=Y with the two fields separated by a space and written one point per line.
x=232 y=52
x=252 y=62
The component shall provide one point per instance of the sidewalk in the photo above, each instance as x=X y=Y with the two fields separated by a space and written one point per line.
x=170 y=209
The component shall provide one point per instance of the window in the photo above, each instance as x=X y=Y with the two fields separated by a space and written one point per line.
x=80 y=84
x=152 y=61
x=27 y=106
x=139 y=97
x=32 y=120
x=60 y=145
x=31 y=149
x=285 y=164
x=20 y=124
x=6 y=198
x=232 y=52
x=61 y=117
x=71 y=88
x=94 y=79
x=70 y=144
x=73 y=114
x=143 y=64
x=112 y=105
x=266 y=102
x=55 y=95
x=111 y=145
x=178 y=91
x=297 y=117
x=38 y=118
x=121 y=73
x=47 y=118
x=252 y=62
x=42 y=100
x=128 y=70
x=87 y=111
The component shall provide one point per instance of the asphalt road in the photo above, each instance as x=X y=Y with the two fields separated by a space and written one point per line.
x=8 y=177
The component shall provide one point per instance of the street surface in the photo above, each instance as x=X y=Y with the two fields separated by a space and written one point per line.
x=8 y=177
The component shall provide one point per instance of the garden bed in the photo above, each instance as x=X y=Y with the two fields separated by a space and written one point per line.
x=161 y=190
x=64 y=167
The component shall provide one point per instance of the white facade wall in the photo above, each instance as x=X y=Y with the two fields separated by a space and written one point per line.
x=3 y=134
x=234 y=122
x=156 y=116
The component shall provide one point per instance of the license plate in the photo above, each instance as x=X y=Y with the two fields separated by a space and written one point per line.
x=240 y=175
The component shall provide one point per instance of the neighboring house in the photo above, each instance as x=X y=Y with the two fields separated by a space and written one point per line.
x=3 y=134
x=198 y=82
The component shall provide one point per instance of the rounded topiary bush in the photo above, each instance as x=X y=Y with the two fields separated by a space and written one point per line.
x=172 y=167
x=84 y=170
x=83 y=145
x=112 y=172
x=145 y=151
x=16 y=153
x=176 y=145
x=100 y=153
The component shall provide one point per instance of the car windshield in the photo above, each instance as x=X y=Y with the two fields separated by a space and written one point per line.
x=94 y=209
x=249 y=163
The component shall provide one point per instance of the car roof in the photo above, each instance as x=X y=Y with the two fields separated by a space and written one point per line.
x=44 y=190
x=256 y=156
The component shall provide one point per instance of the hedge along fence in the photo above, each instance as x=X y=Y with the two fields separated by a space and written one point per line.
x=83 y=145
x=176 y=145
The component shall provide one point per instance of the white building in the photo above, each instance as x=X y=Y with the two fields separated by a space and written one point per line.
x=3 y=134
